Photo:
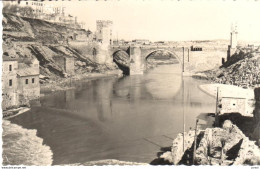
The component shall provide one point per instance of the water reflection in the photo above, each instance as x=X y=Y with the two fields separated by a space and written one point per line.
x=164 y=82
x=103 y=92
x=125 y=119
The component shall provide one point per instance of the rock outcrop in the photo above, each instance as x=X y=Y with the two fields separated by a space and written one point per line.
x=49 y=43
x=216 y=146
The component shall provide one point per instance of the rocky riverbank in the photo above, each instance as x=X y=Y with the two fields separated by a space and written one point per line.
x=14 y=112
x=243 y=70
x=215 y=146
x=23 y=147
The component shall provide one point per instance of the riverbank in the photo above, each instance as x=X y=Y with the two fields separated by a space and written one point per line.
x=67 y=83
x=214 y=146
x=107 y=162
x=22 y=146
x=14 y=112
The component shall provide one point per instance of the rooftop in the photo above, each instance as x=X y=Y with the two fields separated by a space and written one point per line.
x=8 y=58
x=27 y=72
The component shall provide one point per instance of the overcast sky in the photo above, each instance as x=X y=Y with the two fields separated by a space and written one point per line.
x=171 y=19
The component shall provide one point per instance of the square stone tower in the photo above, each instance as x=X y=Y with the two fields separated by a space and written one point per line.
x=104 y=32
x=233 y=37
x=233 y=42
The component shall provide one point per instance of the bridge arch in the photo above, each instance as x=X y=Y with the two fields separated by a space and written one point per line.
x=122 y=60
x=119 y=50
x=149 y=53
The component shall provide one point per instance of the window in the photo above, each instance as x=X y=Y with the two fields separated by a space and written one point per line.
x=32 y=80
x=26 y=81
x=10 y=82
x=10 y=67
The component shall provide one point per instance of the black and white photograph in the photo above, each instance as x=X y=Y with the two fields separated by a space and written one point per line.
x=130 y=83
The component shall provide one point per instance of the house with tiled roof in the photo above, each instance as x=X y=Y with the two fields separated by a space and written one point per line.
x=20 y=81
x=28 y=79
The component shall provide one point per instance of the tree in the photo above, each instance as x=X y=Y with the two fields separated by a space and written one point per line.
x=26 y=11
x=10 y=9
x=14 y=9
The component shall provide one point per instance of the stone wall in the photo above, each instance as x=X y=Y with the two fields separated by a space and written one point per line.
x=195 y=61
x=9 y=85
x=136 y=61
x=69 y=66
x=231 y=105
x=30 y=90
x=10 y=99
x=87 y=49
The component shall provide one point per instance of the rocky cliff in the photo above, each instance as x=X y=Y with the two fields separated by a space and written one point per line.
x=33 y=38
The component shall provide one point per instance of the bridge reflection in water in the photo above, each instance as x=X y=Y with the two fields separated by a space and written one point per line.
x=127 y=119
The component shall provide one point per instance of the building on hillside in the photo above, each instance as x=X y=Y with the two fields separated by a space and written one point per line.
x=9 y=82
x=104 y=31
x=81 y=25
x=141 y=41
x=67 y=64
x=195 y=48
x=28 y=79
x=37 y=7
x=159 y=43
x=83 y=36
x=47 y=11
x=90 y=35
x=20 y=81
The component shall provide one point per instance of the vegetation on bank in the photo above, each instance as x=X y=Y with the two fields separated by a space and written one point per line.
x=23 y=11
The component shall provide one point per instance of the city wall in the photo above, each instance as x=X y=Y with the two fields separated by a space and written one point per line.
x=97 y=52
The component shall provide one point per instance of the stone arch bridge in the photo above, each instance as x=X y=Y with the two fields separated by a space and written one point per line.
x=193 y=60
x=139 y=54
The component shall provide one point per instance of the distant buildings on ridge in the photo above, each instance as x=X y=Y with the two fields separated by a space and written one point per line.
x=46 y=11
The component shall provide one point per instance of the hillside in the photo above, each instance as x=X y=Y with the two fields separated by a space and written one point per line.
x=33 y=38
x=243 y=69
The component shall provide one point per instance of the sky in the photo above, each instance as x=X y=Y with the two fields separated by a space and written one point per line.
x=171 y=20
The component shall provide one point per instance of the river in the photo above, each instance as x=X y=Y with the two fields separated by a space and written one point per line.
x=129 y=118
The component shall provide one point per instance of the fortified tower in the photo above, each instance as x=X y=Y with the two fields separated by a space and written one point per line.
x=233 y=37
x=104 y=32
x=233 y=41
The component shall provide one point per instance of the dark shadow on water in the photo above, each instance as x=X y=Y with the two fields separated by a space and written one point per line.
x=160 y=161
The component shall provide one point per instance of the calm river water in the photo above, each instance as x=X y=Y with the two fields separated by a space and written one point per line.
x=128 y=118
